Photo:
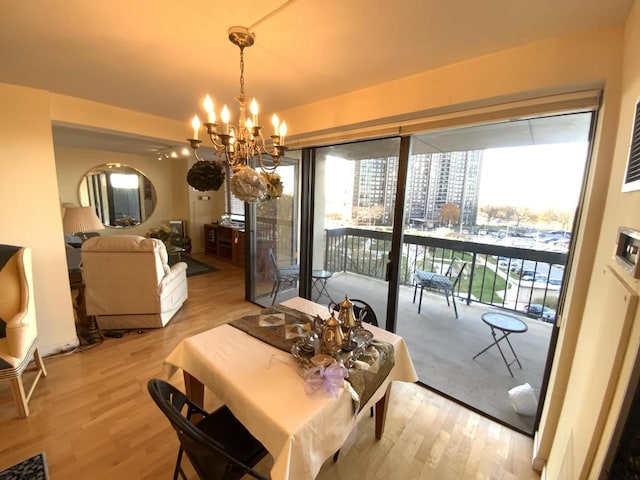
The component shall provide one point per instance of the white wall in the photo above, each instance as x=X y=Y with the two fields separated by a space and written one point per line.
x=30 y=212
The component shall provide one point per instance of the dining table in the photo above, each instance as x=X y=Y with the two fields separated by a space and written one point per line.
x=264 y=388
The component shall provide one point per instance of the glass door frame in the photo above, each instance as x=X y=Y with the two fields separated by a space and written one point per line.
x=307 y=211
x=251 y=229
x=397 y=236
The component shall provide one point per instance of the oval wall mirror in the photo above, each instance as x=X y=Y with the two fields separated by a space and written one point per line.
x=121 y=195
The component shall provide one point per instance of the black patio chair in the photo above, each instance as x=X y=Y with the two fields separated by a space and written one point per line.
x=218 y=446
x=445 y=283
x=286 y=276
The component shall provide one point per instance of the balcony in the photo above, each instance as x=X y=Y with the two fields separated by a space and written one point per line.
x=496 y=275
x=496 y=278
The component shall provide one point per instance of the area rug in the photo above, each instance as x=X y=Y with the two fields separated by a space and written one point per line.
x=194 y=267
x=34 y=468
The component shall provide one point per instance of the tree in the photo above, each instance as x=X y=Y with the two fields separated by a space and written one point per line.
x=371 y=215
x=449 y=213
x=490 y=212
x=505 y=213
x=549 y=217
x=566 y=219
x=522 y=215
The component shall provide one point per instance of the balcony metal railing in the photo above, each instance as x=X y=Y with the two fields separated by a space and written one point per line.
x=502 y=276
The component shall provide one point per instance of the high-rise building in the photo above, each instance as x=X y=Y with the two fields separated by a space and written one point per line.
x=439 y=178
x=374 y=188
x=434 y=179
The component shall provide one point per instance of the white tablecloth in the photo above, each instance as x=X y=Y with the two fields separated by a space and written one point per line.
x=264 y=389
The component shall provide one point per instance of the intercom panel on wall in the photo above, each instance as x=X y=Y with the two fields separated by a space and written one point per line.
x=627 y=248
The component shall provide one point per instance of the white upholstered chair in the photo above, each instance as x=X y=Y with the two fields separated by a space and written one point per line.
x=129 y=284
x=18 y=332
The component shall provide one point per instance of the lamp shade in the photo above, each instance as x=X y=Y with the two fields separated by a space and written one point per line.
x=81 y=220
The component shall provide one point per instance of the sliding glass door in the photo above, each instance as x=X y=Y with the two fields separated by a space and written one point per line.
x=275 y=226
x=485 y=212
x=488 y=216
x=354 y=205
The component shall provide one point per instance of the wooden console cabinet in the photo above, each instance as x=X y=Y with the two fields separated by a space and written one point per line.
x=225 y=243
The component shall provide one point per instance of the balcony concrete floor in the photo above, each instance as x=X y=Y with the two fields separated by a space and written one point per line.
x=442 y=347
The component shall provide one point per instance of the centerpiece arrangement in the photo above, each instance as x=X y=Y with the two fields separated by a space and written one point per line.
x=339 y=340
x=328 y=351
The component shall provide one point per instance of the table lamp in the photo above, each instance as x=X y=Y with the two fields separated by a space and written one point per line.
x=81 y=220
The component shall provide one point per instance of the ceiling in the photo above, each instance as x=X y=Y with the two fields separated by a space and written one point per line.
x=162 y=56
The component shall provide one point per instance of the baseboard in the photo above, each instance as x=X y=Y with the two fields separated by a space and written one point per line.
x=46 y=350
x=537 y=462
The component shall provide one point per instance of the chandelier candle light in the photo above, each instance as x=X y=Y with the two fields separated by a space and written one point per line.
x=238 y=145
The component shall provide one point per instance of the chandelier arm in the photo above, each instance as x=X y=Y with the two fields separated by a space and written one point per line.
x=216 y=144
x=195 y=145
x=259 y=138
x=198 y=158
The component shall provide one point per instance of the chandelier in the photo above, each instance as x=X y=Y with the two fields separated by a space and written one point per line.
x=237 y=145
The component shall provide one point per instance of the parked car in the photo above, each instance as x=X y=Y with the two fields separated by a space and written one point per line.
x=534 y=277
x=547 y=314
x=504 y=262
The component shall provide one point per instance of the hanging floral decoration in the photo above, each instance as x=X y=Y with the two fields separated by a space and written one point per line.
x=204 y=175
x=248 y=185
x=274 y=185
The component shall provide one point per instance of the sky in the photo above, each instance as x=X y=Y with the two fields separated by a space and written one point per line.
x=538 y=177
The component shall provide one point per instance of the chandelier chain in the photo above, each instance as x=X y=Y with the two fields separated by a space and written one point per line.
x=242 y=72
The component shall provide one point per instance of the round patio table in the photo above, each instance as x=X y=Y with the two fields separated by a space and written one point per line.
x=503 y=325
x=320 y=278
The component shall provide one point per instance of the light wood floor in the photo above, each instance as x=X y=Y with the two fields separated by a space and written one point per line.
x=93 y=417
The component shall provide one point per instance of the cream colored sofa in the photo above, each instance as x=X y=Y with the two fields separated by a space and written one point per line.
x=128 y=283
